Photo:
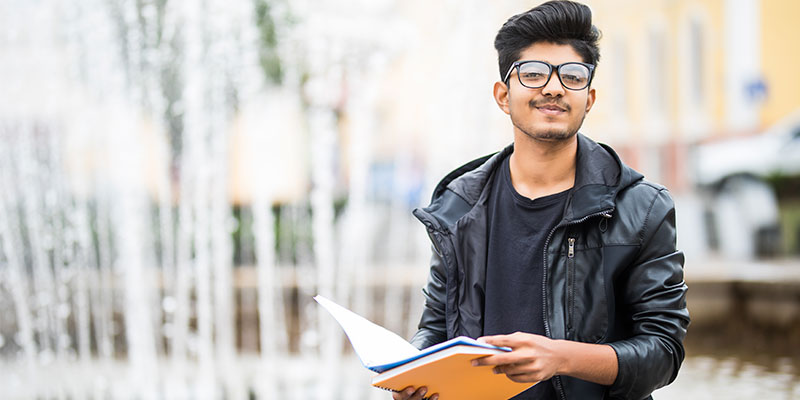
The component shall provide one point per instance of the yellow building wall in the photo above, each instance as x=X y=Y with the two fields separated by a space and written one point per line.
x=632 y=21
x=711 y=13
x=780 y=49
x=621 y=22
x=716 y=46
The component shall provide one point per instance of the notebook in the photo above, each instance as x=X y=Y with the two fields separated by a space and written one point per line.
x=445 y=368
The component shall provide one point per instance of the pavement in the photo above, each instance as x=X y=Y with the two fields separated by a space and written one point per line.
x=783 y=271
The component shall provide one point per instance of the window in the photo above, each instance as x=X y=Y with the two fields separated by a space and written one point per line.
x=658 y=76
x=620 y=76
x=697 y=75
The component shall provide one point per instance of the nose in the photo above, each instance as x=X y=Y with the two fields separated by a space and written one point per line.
x=553 y=86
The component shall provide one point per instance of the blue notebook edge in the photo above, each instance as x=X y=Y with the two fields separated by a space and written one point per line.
x=460 y=340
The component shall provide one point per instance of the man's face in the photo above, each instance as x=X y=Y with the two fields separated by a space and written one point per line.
x=550 y=113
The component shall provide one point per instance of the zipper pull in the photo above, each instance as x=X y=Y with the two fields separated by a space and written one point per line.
x=571 y=252
x=603 y=225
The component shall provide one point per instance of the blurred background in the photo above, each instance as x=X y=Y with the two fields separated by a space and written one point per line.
x=179 y=178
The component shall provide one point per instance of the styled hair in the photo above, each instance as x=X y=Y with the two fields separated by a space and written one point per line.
x=557 y=21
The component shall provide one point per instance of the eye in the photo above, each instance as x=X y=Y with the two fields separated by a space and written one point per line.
x=532 y=75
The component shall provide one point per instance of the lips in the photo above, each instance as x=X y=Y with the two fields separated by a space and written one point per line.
x=551 y=109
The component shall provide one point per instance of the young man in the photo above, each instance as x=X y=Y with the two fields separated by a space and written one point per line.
x=554 y=247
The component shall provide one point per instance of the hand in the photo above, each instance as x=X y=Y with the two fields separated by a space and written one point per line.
x=533 y=358
x=410 y=394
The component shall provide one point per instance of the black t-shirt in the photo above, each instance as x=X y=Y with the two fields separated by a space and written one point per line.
x=518 y=228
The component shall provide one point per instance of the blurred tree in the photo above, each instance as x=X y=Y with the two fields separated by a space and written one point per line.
x=268 y=49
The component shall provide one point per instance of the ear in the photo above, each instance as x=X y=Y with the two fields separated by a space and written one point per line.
x=501 y=96
x=590 y=99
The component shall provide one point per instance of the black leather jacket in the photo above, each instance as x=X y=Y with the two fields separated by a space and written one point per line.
x=612 y=273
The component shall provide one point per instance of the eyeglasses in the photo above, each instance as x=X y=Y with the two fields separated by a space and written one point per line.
x=536 y=74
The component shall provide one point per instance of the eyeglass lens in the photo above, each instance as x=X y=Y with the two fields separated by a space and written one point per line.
x=536 y=74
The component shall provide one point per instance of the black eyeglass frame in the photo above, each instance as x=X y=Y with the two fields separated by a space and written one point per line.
x=550 y=67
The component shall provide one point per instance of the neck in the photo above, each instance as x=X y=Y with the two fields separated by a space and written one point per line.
x=540 y=168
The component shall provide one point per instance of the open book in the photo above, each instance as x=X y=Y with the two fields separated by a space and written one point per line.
x=445 y=368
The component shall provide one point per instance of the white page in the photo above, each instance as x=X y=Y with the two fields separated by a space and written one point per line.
x=374 y=344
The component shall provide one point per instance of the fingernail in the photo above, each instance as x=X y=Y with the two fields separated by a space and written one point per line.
x=474 y=363
x=435 y=397
x=423 y=391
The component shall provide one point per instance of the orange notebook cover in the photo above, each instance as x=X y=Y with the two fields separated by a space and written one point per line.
x=450 y=373
x=444 y=368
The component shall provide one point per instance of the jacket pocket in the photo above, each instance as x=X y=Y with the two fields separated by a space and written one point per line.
x=587 y=305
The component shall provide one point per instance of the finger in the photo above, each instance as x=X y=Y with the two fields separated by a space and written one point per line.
x=524 y=378
x=404 y=394
x=483 y=361
x=497 y=359
x=496 y=340
x=519 y=369
x=514 y=341
x=511 y=369
x=419 y=394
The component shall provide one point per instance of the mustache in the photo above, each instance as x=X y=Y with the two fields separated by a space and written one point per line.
x=549 y=102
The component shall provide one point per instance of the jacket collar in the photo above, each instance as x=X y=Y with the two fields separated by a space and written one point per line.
x=599 y=176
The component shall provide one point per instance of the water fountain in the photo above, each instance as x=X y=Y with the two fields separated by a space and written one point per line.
x=116 y=256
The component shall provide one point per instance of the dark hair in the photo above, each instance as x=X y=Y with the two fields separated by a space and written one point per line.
x=558 y=21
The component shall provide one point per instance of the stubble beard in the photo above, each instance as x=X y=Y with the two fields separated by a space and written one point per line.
x=552 y=135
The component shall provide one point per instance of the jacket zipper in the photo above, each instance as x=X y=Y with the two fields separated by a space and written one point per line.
x=558 y=383
x=570 y=286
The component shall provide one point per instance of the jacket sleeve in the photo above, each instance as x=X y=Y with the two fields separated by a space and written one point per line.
x=432 y=328
x=654 y=294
